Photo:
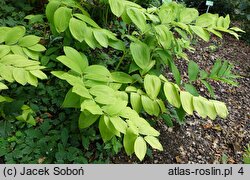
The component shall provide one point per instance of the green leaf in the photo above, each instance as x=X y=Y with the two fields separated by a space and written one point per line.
x=209 y=87
x=119 y=45
x=206 y=20
x=4 y=50
x=97 y=77
x=153 y=142
x=237 y=29
x=172 y=94
x=91 y=106
x=199 y=31
x=200 y=106
x=106 y=134
x=117 y=7
x=150 y=106
x=31 y=54
x=176 y=73
x=223 y=68
x=129 y=141
x=3 y=86
x=193 y=70
x=191 y=89
x=135 y=100
x=14 y=34
x=119 y=124
x=37 y=48
x=220 y=108
x=187 y=102
x=86 y=119
x=70 y=63
x=80 y=59
x=115 y=108
x=148 y=68
x=6 y=72
x=19 y=76
x=71 y=100
x=210 y=109
x=138 y=18
x=77 y=29
x=61 y=18
x=50 y=10
x=141 y=54
x=152 y=85
x=121 y=77
x=215 y=32
x=39 y=74
x=215 y=68
x=3 y=32
x=164 y=36
x=102 y=90
x=140 y=148
x=81 y=90
x=111 y=126
x=168 y=120
x=220 y=22
x=87 y=20
x=90 y=39
x=226 y=22
x=28 y=41
x=188 y=15
x=162 y=105
x=31 y=79
x=101 y=37
x=18 y=50
x=97 y=69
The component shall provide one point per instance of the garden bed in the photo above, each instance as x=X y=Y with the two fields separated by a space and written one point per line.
x=202 y=140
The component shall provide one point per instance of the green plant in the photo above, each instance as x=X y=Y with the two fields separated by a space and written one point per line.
x=221 y=71
x=119 y=101
x=246 y=155
x=238 y=10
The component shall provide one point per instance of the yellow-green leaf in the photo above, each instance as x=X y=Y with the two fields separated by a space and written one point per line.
x=117 y=7
x=141 y=54
x=119 y=124
x=135 y=100
x=77 y=29
x=152 y=85
x=187 y=102
x=154 y=142
x=129 y=141
x=86 y=119
x=172 y=94
x=150 y=106
x=29 y=40
x=140 y=148
x=61 y=18
x=14 y=34
x=221 y=108
x=91 y=106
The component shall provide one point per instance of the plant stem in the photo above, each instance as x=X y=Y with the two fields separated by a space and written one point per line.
x=120 y=61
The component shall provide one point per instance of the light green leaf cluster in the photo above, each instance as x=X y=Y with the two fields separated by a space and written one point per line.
x=81 y=26
x=18 y=55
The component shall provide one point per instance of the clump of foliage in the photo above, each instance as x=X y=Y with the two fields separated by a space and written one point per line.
x=238 y=10
x=121 y=99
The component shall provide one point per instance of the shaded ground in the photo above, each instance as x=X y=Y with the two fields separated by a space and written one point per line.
x=203 y=140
